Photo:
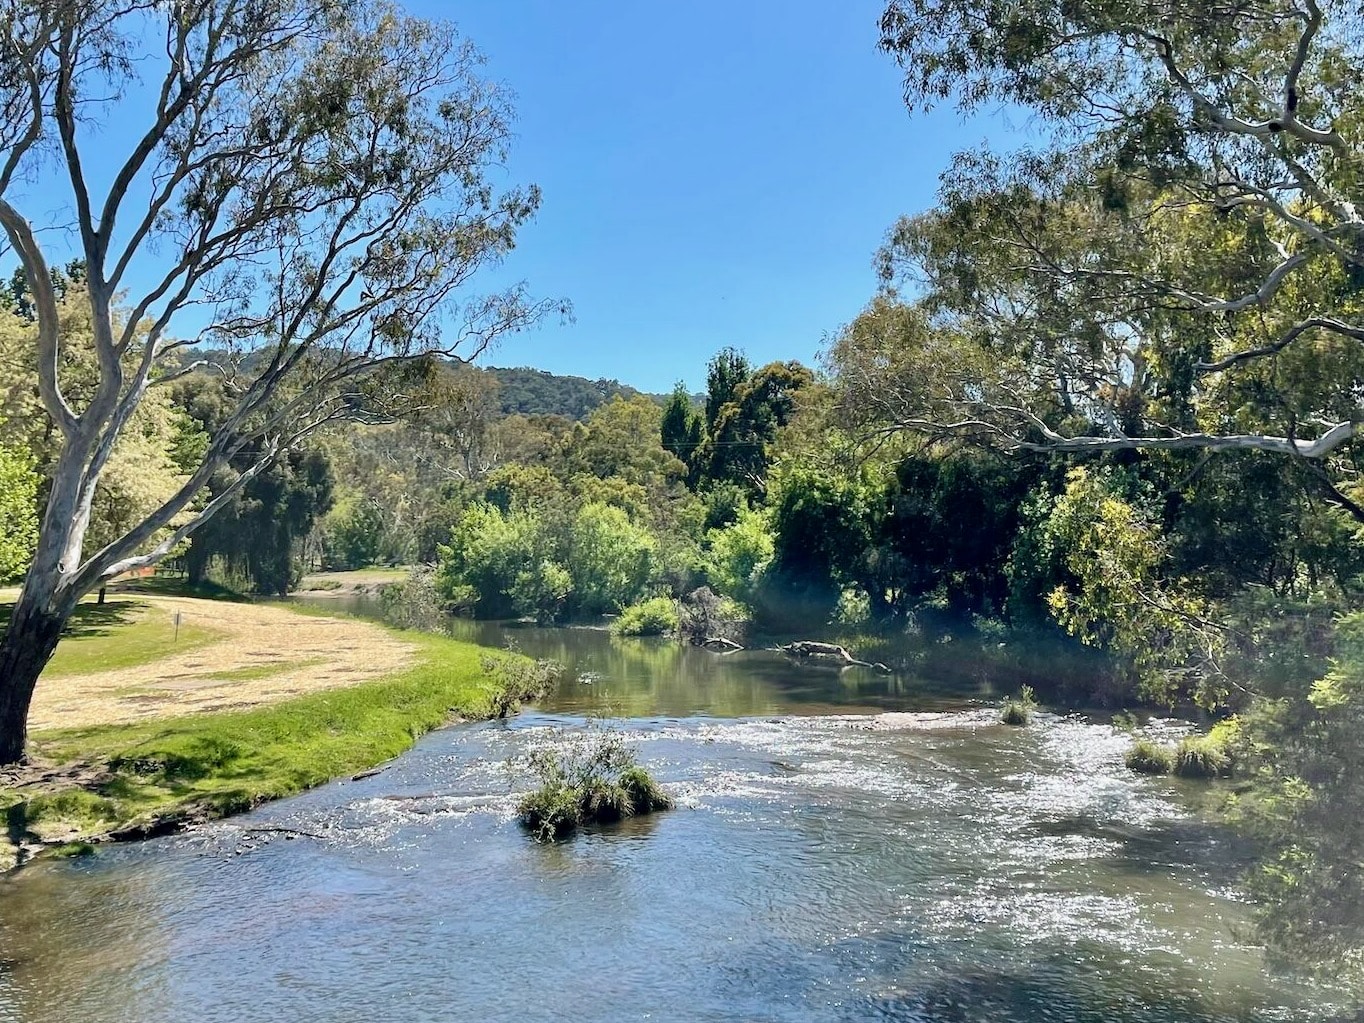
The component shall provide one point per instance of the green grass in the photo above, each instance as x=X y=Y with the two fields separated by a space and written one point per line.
x=219 y=763
x=1147 y=757
x=1203 y=756
x=137 y=642
x=118 y=634
x=588 y=779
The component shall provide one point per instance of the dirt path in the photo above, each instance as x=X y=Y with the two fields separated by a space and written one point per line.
x=263 y=654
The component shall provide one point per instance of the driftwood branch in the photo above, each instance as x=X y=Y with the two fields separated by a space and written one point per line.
x=829 y=652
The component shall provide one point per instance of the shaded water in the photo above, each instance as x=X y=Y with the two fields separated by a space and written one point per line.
x=848 y=847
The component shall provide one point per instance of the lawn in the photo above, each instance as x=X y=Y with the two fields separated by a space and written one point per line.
x=118 y=634
x=140 y=775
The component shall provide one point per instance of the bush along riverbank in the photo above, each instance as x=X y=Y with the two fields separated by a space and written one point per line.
x=127 y=781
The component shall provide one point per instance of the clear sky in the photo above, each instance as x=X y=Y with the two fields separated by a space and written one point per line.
x=715 y=173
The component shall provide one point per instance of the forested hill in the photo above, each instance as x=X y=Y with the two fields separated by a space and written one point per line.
x=538 y=392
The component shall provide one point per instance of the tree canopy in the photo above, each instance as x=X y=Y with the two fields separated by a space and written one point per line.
x=1178 y=268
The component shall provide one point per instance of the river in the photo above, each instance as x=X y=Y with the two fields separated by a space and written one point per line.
x=847 y=846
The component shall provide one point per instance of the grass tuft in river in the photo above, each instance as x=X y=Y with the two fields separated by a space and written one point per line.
x=1203 y=756
x=588 y=779
x=1148 y=757
x=1017 y=710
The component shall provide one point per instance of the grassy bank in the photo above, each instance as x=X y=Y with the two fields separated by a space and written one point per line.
x=130 y=780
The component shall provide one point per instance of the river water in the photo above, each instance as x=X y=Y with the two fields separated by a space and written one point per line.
x=847 y=846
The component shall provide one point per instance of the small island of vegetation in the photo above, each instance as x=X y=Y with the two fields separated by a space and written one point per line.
x=587 y=779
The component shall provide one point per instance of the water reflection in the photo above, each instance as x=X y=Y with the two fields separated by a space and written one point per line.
x=629 y=678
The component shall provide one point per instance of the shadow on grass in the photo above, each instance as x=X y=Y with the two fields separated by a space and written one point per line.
x=90 y=619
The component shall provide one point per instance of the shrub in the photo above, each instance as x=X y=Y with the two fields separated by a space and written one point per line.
x=656 y=617
x=1202 y=756
x=1017 y=710
x=590 y=779
x=412 y=603
x=1147 y=757
x=519 y=680
x=703 y=615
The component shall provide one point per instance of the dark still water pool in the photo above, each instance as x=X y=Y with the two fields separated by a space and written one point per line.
x=845 y=848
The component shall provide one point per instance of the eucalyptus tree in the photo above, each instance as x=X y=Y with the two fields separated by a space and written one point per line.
x=295 y=194
x=1176 y=265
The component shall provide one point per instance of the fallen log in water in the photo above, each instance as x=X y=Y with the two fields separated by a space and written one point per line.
x=809 y=649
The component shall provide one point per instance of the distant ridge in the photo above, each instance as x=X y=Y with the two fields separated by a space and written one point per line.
x=537 y=392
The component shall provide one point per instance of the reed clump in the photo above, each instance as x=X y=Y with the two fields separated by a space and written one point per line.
x=1148 y=757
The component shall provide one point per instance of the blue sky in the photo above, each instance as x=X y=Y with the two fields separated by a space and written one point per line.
x=715 y=173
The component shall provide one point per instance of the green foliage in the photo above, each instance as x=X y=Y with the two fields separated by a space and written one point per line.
x=725 y=373
x=154 y=452
x=1305 y=750
x=586 y=779
x=488 y=550
x=739 y=443
x=1148 y=757
x=819 y=534
x=1118 y=599
x=723 y=504
x=519 y=680
x=412 y=603
x=1202 y=756
x=681 y=429
x=739 y=554
x=18 y=511
x=257 y=536
x=654 y=617
x=704 y=615
x=535 y=392
x=1017 y=710
x=542 y=589
x=622 y=438
x=609 y=558
x=354 y=530
x=524 y=562
x=939 y=534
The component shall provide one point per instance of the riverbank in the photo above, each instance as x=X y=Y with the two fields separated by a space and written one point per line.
x=263 y=703
x=360 y=582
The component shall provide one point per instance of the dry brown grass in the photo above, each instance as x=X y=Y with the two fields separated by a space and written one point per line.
x=273 y=653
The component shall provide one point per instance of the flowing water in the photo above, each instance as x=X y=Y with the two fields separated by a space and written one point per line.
x=847 y=846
